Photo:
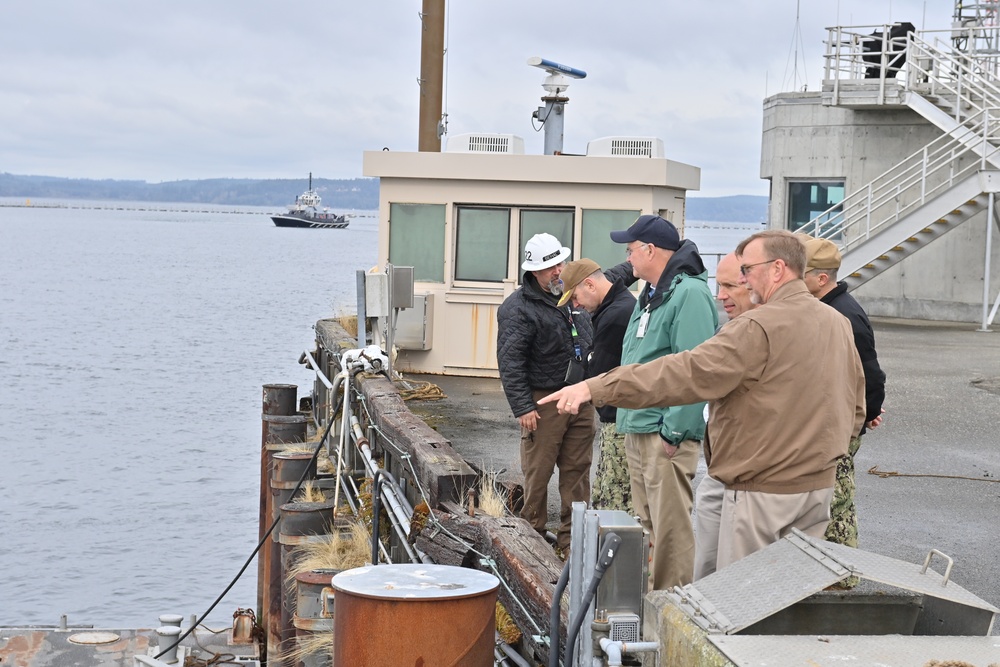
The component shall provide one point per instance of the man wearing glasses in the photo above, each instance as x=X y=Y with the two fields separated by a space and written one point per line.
x=675 y=312
x=786 y=393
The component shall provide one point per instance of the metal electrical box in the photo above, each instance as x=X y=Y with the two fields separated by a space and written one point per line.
x=376 y=295
x=402 y=287
x=415 y=325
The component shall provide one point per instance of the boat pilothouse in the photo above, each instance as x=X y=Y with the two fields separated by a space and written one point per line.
x=308 y=211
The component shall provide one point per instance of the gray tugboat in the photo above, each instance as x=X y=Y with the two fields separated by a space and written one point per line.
x=307 y=212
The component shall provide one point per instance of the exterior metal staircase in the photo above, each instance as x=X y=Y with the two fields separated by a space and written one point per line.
x=937 y=188
x=915 y=202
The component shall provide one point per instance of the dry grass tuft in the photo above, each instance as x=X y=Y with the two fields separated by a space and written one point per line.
x=490 y=500
x=309 y=493
x=305 y=647
x=508 y=630
x=348 y=321
x=343 y=550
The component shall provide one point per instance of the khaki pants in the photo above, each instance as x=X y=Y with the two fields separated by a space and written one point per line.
x=563 y=441
x=751 y=520
x=662 y=495
x=707 y=517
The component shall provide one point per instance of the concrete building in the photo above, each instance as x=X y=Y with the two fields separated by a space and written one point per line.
x=899 y=147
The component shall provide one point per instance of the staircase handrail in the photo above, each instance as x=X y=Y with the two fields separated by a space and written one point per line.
x=935 y=67
x=911 y=183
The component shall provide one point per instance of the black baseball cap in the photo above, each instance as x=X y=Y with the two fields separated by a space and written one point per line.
x=650 y=229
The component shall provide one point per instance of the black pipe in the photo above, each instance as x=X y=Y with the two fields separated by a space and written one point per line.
x=609 y=548
x=554 y=615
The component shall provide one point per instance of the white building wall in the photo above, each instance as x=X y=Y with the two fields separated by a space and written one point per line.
x=805 y=140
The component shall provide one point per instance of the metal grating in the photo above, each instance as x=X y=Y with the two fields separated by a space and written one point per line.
x=632 y=147
x=623 y=628
x=837 y=651
x=486 y=144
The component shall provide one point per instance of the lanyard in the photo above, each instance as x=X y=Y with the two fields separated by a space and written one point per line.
x=576 y=342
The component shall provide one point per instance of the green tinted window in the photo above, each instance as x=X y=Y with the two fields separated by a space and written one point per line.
x=416 y=238
x=559 y=223
x=481 y=244
x=810 y=199
x=595 y=241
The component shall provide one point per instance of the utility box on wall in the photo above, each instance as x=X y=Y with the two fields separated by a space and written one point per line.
x=415 y=326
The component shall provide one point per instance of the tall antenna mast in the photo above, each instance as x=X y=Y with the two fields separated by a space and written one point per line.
x=794 y=51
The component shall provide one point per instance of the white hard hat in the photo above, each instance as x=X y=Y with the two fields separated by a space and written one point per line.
x=543 y=251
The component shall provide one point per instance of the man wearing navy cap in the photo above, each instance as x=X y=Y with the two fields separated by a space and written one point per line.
x=675 y=312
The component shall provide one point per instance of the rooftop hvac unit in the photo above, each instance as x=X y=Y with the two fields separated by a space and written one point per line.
x=486 y=143
x=626 y=147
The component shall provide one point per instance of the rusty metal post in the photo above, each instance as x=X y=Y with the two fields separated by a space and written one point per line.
x=301 y=523
x=278 y=424
x=431 y=75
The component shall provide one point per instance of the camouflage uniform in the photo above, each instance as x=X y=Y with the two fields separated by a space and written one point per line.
x=843 y=527
x=612 y=489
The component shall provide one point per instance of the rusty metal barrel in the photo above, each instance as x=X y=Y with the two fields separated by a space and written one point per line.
x=414 y=614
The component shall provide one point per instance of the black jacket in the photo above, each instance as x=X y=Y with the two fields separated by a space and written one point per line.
x=610 y=322
x=534 y=343
x=864 y=340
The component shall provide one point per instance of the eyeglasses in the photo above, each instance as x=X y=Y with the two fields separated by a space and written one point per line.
x=745 y=268
x=629 y=251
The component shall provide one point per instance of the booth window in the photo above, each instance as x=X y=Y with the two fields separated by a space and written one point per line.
x=558 y=222
x=595 y=240
x=809 y=199
x=481 y=242
x=416 y=238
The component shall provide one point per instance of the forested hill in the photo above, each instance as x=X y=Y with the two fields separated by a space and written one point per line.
x=355 y=193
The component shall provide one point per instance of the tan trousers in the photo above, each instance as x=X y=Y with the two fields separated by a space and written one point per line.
x=662 y=495
x=563 y=441
x=707 y=517
x=751 y=520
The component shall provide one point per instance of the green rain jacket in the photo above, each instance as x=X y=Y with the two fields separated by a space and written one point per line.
x=682 y=315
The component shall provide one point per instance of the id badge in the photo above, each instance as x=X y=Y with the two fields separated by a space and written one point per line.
x=643 y=322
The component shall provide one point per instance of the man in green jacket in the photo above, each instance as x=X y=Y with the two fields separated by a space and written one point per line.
x=675 y=312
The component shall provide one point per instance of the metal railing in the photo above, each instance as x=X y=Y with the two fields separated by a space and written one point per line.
x=907 y=186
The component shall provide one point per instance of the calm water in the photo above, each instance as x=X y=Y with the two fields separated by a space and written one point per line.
x=133 y=346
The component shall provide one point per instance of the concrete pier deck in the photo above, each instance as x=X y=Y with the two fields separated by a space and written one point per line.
x=942 y=419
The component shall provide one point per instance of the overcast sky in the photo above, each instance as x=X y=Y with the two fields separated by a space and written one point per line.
x=161 y=91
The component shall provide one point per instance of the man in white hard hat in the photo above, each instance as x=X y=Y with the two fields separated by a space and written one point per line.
x=541 y=347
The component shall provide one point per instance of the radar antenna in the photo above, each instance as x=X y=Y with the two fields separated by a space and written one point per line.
x=551 y=115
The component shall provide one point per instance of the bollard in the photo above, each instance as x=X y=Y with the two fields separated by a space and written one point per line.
x=168 y=620
x=168 y=636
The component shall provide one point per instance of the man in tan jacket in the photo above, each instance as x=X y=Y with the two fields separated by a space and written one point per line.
x=786 y=393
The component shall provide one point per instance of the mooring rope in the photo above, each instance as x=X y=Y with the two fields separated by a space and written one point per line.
x=884 y=474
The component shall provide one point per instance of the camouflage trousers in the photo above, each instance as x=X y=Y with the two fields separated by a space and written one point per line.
x=843 y=528
x=612 y=489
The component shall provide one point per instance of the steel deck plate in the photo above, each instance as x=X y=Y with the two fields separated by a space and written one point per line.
x=757 y=586
x=836 y=651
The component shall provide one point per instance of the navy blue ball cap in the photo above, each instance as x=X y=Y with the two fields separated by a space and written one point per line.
x=650 y=229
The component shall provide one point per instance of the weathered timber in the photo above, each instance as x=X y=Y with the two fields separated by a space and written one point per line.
x=522 y=557
x=449 y=538
x=416 y=453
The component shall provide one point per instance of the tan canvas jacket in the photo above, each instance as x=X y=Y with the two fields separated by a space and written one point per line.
x=785 y=387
